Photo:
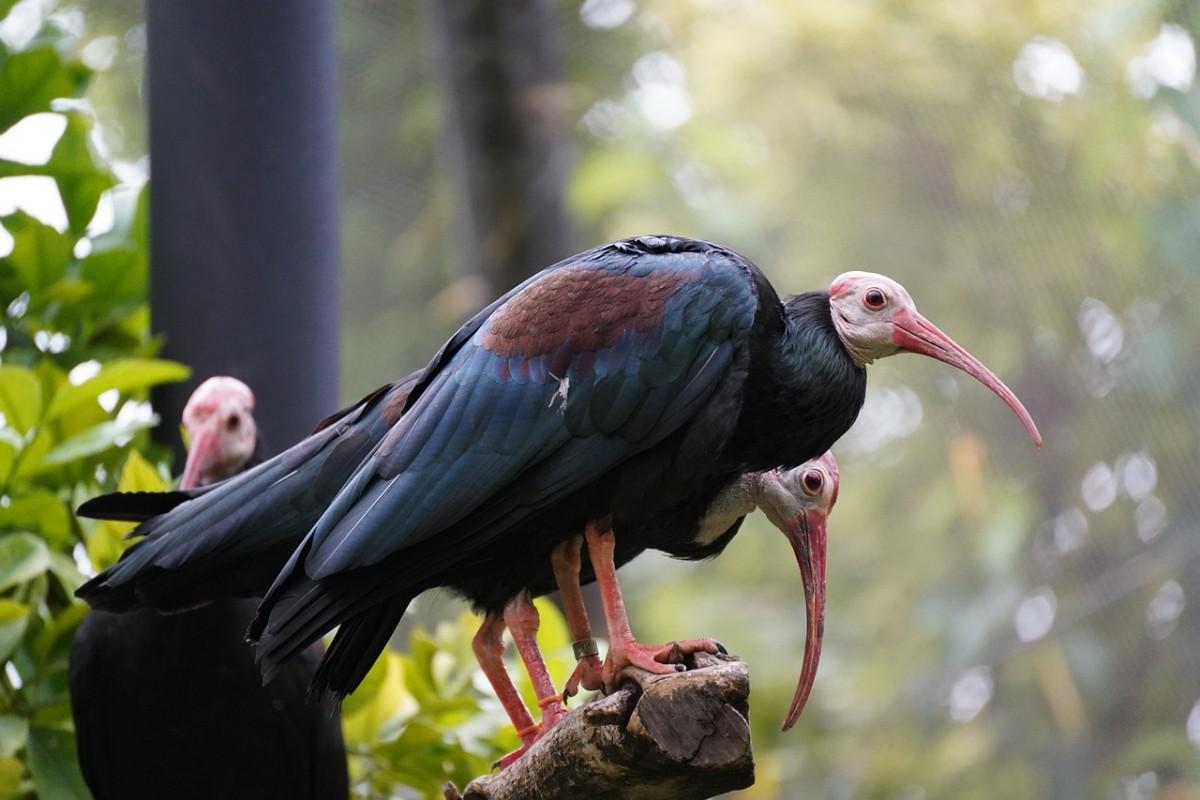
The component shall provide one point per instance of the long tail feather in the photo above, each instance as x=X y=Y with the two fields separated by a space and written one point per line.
x=231 y=538
x=355 y=648
x=132 y=506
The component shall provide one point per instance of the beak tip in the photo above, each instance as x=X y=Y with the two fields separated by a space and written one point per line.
x=1035 y=435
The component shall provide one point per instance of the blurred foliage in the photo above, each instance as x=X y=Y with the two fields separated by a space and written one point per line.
x=77 y=360
x=1002 y=621
x=427 y=716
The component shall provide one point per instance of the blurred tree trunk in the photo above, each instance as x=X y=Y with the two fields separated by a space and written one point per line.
x=501 y=64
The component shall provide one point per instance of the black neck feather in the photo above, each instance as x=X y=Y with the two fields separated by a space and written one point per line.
x=802 y=393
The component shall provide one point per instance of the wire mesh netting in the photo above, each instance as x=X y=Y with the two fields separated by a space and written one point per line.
x=1003 y=621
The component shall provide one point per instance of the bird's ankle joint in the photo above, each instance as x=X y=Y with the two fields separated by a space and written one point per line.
x=529 y=731
x=552 y=700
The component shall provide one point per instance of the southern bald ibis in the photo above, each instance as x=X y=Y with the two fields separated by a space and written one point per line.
x=173 y=706
x=797 y=501
x=617 y=393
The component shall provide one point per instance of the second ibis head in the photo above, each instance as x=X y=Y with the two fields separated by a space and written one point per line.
x=219 y=418
x=798 y=502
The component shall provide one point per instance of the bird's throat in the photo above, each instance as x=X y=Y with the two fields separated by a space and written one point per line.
x=859 y=354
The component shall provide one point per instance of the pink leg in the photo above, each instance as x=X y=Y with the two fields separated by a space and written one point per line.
x=488 y=645
x=623 y=649
x=522 y=620
x=566 y=563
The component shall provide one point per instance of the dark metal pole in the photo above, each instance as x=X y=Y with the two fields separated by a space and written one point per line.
x=243 y=203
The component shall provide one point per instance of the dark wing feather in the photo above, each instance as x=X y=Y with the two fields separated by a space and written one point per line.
x=134 y=506
x=231 y=538
x=478 y=427
x=581 y=368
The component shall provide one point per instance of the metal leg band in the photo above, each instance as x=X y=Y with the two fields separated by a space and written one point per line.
x=584 y=648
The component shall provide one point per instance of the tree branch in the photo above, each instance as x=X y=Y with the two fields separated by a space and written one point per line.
x=676 y=736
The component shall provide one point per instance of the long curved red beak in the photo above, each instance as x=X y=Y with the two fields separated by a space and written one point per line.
x=807 y=536
x=201 y=453
x=915 y=333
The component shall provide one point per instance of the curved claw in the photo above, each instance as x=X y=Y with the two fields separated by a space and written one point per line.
x=505 y=761
x=655 y=659
x=588 y=674
x=527 y=736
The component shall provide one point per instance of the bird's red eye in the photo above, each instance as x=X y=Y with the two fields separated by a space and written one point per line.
x=813 y=481
x=232 y=422
x=875 y=299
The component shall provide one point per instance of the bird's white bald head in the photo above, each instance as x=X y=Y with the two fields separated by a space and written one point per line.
x=875 y=317
x=864 y=306
x=219 y=418
x=784 y=495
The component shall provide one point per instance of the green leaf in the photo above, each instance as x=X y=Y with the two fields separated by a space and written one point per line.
x=53 y=762
x=94 y=440
x=38 y=511
x=139 y=475
x=39 y=254
x=106 y=540
x=20 y=397
x=22 y=556
x=12 y=169
x=14 y=617
x=13 y=733
x=116 y=275
x=52 y=645
x=8 y=454
x=380 y=699
x=80 y=180
x=123 y=374
x=11 y=772
x=419 y=676
x=63 y=567
x=29 y=80
x=31 y=457
x=68 y=291
x=131 y=213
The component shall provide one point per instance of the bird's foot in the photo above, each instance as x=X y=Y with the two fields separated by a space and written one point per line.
x=554 y=711
x=527 y=736
x=657 y=659
x=504 y=762
x=588 y=674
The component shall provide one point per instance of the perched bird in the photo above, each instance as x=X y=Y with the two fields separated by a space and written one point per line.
x=797 y=501
x=616 y=394
x=173 y=706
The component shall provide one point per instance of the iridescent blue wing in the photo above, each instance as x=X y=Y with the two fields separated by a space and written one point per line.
x=578 y=369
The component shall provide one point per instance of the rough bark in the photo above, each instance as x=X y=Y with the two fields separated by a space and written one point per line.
x=676 y=736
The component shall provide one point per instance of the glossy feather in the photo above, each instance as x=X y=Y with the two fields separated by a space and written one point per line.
x=633 y=381
x=231 y=538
